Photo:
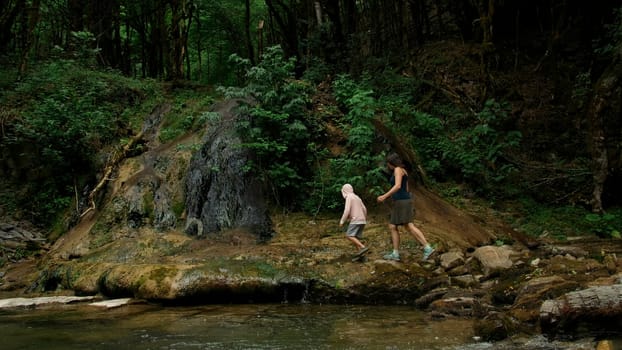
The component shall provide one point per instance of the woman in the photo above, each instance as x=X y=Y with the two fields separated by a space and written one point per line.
x=402 y=212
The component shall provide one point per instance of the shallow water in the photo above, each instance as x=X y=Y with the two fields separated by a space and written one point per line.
x=273 y=326
x=229 y=327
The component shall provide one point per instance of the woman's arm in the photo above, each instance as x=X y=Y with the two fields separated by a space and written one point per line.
x=397 y=173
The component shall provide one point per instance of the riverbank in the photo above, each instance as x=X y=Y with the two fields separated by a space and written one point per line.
x=500 y=288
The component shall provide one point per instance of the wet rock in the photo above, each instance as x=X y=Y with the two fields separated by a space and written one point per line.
x=428 y=298
x=187 y=283
x=464 y=281
x=611 y=263
x=562 y=265
x=458 y=306
x=16 y=240
x=575 y=251
x=493 y=259
x=451 y=260
x=388 y=266
x=530 y=295
x=494 y=327
x=33 y=302
x=458 y=271
x=112 y=303
x=163 y=217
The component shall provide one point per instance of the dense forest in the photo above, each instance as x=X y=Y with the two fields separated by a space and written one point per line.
x=508 y=101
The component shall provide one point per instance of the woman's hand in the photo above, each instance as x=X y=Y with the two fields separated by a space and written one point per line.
x=381 y=198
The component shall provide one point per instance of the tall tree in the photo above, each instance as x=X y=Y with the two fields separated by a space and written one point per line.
x=105 y=25
x=606 y=90
x=178 y=33
x=31 y=19
x=285 y=15
x=247 y=31
x=9 y=13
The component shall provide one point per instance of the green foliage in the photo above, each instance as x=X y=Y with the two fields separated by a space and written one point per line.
x=357 y=165
x=276 y=126
x=84 y=47
x=429 y=140
x=566 y=221
x=477 y=150
x=611 y=41
x=450 y=146
x=317 y=70
x=67 y=114
x=606 y=225
x=581 y=89
x=221 y=28
x=472 y=149
x=188 y=115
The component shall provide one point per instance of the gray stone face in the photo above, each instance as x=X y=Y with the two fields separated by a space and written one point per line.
x=14 y=237
x=220 y=192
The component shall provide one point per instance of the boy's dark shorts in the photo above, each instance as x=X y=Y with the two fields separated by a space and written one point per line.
x=355 y=230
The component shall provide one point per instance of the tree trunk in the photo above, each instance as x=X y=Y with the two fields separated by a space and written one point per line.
x=247 y=29
x=596 y=309
x=176 y=31
x=103 y=22
x=159 y=44
x=32 y=20
x=605 y=91
x=318 y=12
x=486 y=11
x=199 y=46
x=127 y=52
x=8 y=17
x=186 y=34
x=76 y=14
x=286 y=20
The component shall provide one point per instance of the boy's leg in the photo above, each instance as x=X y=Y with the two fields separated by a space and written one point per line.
x=356 y=242
x=355 y=231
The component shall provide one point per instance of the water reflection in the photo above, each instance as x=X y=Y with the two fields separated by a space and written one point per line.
x=230 y=327
x=272 y=326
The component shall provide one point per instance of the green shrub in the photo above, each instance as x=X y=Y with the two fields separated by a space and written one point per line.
x=277 y=127
x=606 y=225
x=67 y=115
x=560 y=222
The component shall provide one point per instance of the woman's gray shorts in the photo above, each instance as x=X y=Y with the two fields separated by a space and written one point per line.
x=402 y=212
x=355 y=230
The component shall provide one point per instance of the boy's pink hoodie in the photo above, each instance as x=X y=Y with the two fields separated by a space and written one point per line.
x=354 y=210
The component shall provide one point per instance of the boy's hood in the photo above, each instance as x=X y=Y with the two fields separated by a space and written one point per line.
x=346 y=190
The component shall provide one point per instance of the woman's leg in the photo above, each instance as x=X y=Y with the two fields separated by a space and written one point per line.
x=417 y=234
x=395 y=237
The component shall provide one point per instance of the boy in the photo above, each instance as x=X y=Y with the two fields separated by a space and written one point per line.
x=356 y=213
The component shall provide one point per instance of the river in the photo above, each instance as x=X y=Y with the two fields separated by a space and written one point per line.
x=256 y=326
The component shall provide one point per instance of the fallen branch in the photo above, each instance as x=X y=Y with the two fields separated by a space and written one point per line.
x=112 y=163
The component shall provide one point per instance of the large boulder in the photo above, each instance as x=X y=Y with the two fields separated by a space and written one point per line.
x=220 y=192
